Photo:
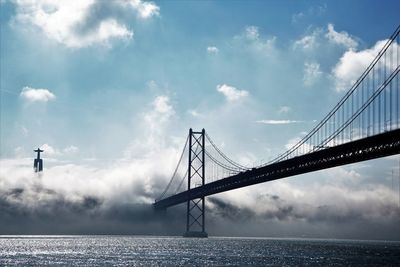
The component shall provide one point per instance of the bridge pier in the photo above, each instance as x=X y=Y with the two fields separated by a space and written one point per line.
x=195 y=219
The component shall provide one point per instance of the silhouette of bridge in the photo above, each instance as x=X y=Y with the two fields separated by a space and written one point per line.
x=363 y=125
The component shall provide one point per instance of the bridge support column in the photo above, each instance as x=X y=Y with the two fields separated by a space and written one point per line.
x=195 y=223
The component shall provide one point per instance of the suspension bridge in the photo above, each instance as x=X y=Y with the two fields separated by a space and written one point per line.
x=363 y=125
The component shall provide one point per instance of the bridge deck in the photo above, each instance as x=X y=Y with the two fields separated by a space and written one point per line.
x=377 y=146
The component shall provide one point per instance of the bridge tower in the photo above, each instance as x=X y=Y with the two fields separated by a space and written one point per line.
x=195 y=225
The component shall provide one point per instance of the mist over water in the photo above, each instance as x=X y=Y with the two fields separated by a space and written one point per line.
x=70 y=199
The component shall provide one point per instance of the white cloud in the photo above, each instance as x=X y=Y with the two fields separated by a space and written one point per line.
x=308 y=42
x=352 y=64
x=49 y=150
x=284 y=109
x=70 y=149
x=195 y=113
x=318 y=10
x=278 y=121
x=81 y=23
x=152 y=85
x=145 y=9
x=297 y=17
x=340 y=38
x=154 y=124
x=311 y=12
x=161 y=105
x=319 y=36
x=231 y=93
x=251 y=40
x=311 y=73
x=252 y=32
x=36 y=95
x=107 y=29
x=212 y=50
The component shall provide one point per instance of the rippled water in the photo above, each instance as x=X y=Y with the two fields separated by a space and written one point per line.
x=176 y=251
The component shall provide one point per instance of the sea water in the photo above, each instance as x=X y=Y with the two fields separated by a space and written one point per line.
x=177 y=251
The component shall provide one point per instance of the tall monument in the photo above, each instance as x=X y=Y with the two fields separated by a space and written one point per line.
x=38 y=162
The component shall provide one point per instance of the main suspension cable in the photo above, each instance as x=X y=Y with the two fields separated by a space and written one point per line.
x=175 y=171
x=237 y=165
x=186 y=173
x=222 y=165
x=341 y=102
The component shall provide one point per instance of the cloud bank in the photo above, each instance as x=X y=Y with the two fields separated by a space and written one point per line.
x=115 y=199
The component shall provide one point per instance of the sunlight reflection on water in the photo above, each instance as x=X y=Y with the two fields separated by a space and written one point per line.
x=176 y=251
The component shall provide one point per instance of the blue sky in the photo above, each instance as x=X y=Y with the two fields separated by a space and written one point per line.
x=110 y=88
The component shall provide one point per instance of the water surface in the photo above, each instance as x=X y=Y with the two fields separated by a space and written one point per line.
x=177 y=251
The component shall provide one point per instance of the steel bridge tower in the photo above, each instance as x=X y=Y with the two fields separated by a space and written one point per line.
x=195 y=224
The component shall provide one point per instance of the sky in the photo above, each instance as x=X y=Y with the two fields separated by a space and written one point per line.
x=109 y=90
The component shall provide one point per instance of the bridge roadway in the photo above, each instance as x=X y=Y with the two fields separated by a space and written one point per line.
x=381 y=145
